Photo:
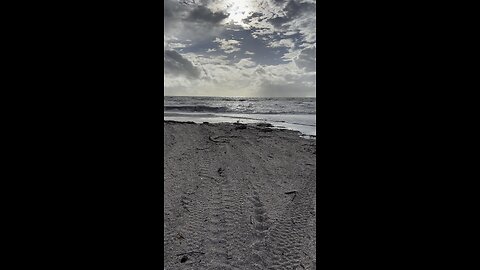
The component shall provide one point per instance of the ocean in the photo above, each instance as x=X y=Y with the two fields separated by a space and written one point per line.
x=288 y=113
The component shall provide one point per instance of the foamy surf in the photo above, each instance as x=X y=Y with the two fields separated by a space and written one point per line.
x=288 y=113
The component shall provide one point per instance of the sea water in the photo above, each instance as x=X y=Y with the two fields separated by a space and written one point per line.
x=289 y=113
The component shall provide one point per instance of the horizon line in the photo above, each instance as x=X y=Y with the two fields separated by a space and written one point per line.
x=245 y=96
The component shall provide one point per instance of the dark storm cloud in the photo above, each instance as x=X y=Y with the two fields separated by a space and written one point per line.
x=175 y=64
x=167 y=9
x=188 y=20
x=176 y=10
x=295 y=8
x=171 y=9
x=204 y=14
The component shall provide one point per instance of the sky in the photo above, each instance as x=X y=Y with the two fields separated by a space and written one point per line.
x=248 y=48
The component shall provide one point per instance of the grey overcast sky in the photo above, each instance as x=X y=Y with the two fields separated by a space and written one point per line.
x=239 y=48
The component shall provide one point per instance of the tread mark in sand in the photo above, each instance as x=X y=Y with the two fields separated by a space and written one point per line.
x=287 y=238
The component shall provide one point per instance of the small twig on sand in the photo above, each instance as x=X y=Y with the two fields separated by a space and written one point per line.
x=294 y=192
x=222 y=139
x=215 y=140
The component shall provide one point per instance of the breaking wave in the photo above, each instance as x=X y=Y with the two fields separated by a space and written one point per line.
x=196 y=108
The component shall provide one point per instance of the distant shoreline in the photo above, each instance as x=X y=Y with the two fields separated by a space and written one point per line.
x=251 y=124
x=259 y=126
x=237 y=97
x=283 y=113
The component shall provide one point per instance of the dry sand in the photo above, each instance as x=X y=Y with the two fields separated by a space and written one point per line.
x=238 y=197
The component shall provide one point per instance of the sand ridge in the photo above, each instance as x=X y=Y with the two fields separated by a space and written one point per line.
x=238 y=197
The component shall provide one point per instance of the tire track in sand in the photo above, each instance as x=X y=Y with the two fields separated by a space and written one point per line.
x=287 y=240
x=223 y=244
x=212 y=216
x=229 y=206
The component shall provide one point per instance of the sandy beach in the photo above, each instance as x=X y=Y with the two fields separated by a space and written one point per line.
x=238 y=197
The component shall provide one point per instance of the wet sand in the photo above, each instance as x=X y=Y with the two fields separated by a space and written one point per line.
x=238 y=197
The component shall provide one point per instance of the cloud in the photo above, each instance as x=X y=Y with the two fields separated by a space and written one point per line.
x=233 y=47
x=307 y=59
x=288 y=43
x=187 y=20
x=228 y=46
x=295 y=89
x=204 y=14
x=177 y=65
x=293 y=10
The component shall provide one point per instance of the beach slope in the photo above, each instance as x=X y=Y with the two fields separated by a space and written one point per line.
x=238 y=197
